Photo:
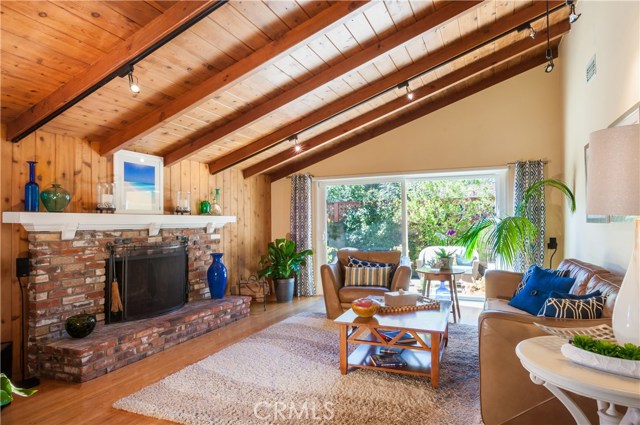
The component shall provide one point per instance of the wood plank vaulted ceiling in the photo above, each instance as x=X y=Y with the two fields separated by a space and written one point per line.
x=234 y=88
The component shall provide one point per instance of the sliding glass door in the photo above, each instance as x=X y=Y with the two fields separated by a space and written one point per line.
x=407 y=213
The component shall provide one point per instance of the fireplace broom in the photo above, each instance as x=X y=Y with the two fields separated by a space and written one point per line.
x=116 y=301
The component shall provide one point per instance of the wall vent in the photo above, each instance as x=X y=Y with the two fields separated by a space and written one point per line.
x=591 y=68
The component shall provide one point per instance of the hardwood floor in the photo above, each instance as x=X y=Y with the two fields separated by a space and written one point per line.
x=90 y=402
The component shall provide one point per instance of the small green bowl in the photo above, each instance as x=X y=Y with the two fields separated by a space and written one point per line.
x=80 y=325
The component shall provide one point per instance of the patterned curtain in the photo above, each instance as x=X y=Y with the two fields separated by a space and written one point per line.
x=527 y=173
x=301 y=230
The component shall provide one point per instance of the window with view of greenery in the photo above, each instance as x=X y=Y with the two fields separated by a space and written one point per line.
x=369 y=216
x=435 y=207
x=366 y=216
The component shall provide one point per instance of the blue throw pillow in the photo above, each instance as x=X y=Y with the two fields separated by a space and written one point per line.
x=568 y=306
x=527 y=274
x=536 y=291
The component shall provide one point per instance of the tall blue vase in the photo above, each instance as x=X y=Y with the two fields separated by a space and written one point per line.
x=32 y=190
x=217 y=277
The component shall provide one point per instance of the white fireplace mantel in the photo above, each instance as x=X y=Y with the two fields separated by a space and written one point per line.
x=69 y=223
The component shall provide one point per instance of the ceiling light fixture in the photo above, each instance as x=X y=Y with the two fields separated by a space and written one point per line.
x=527 y=27
x=296 y=147
x=133 y=86
x=405 y=85
x=548 y=53
x=572 y=14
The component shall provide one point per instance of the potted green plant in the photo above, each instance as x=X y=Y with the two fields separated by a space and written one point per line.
x=445 y=258
x=508 y=236
x=7 y=390
x=281 y=264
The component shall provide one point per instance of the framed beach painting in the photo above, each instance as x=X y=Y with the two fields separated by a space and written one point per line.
x=139 y=185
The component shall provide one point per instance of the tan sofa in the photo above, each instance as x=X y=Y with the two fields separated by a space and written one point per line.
x=507 y=394
x=338 y=297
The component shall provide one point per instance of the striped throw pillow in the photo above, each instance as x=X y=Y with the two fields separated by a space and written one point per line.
x=355 y=262
x=367 y=276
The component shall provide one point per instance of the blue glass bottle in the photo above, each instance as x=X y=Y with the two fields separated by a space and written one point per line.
x=32 y=190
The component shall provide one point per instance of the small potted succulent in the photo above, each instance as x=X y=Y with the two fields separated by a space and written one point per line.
x=282 y=264
x=445 y=258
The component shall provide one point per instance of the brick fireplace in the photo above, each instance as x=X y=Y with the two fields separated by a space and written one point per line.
x=68 y=277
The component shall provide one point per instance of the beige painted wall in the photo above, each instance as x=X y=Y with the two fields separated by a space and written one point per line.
x=609 y=30
x=518 y=119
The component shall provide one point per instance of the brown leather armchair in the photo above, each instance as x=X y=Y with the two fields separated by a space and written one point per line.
x=338 y=297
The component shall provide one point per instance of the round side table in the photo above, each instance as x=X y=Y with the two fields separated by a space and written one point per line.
x=443 y=276
x=547 y=366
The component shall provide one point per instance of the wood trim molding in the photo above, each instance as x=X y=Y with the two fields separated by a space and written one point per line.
x=439 y=17
x=246 y=67
x=459 y=47
x=401 y=103
x=119 y=56
x=405 y=118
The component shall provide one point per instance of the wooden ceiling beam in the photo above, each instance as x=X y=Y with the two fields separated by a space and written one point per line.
x=405 y=118
x=401 y=103
x=124 y=52
x=361 y=58
x=441 y=56
x=244 y=68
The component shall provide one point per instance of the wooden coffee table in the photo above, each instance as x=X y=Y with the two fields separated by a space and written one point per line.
x=430 y=328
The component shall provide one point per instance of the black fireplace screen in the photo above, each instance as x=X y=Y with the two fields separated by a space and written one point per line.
x=145 y=280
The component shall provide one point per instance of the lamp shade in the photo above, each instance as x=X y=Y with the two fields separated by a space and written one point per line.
x=613 y=171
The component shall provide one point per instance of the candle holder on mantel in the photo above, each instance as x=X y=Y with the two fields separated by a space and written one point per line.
x=106 y=198
x=183 y=202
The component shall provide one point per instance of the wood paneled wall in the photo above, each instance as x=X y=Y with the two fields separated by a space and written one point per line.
x=74 y=164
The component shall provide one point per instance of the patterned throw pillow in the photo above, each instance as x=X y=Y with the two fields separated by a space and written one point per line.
x=567 y=306
x=355 y=262
x=367 y=276
x=527 y=275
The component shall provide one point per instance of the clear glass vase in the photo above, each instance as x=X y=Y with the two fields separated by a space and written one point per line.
x=216 y=209
x=106 y=197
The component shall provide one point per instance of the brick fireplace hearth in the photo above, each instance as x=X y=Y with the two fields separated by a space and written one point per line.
x=68 y=277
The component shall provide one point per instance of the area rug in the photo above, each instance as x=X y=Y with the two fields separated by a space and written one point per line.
x=289 y=374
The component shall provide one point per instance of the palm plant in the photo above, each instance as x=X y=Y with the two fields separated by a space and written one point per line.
x=509 y=236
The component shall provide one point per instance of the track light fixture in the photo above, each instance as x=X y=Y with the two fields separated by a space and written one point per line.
x=548 y=53
x=133 y=86
x=405 y=85
x=549 y=66
x=572 y=14
x=296 y=147
x=527 y=27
